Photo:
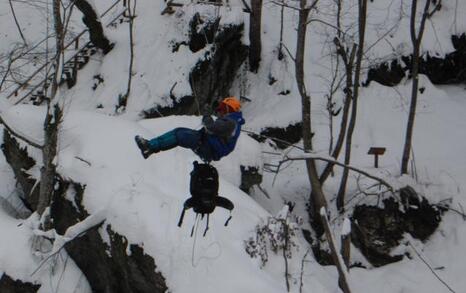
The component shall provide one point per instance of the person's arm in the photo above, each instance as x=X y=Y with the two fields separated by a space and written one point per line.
x=222 y=127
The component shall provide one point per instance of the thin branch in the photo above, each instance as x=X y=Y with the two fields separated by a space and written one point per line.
x=289 y=53
x=23 y=138
x=431 y=269
x=301 y=284
x=17 y=23
x=246 y=9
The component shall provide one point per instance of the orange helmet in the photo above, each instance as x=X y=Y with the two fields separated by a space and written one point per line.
x=230 y=103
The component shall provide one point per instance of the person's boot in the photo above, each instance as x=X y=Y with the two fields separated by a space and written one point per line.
x=144 y=146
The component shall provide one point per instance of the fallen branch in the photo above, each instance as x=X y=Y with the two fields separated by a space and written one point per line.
x=313 y=157
x=73 y=232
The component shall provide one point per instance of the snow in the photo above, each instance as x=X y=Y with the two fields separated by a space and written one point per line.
x=142 y=199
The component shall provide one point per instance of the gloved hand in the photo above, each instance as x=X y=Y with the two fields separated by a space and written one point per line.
x=206 y=110
x=206 y=119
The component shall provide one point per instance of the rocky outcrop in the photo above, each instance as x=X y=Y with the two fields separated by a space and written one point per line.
x=250 y=176
x=387 y=73
x=450 y=69
x=107 y=267
x=376 y=231
x=212 y=76
x=8 y=285
x=282 y=137
x=20 y=163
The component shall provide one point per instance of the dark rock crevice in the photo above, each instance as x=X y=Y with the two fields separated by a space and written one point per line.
x=376 y=231
x=8 y=285
x=21 y=162
x=212 y=76
x=450 y=69
x=282 y=137
x=107 y=267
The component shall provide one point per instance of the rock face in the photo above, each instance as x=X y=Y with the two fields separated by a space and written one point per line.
x=388 y=74
x=20 y=162
x=8 y=285
x=450 y=69
x=282 y=137
x=250 y=176
x=212 y=76
x=107 y=267
x=375 y=230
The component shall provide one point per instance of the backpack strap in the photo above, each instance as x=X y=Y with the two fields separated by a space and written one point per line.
x=206 y=226
x=228 y=220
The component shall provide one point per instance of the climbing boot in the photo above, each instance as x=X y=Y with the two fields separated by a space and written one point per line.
x=144 y=146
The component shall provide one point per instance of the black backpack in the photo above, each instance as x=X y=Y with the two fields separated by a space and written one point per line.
x=204 y=193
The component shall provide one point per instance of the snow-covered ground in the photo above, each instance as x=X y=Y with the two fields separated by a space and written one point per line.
x=142 y=199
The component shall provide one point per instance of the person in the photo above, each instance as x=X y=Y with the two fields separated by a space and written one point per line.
x=214 y=141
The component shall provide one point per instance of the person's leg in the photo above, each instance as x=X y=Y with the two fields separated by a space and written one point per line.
x=163 y=142
x=183 y=137
x=188 y=138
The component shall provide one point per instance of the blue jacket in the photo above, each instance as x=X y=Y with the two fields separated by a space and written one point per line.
x=222 y=146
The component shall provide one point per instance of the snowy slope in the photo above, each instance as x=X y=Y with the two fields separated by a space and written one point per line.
x=142 y=198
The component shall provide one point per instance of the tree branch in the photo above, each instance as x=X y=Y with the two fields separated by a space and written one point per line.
x=23 y=138
x=313 y=157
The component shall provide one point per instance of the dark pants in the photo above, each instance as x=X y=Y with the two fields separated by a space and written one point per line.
x=195 y=140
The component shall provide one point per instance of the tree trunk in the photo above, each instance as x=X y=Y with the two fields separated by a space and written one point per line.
x=92 y=21
x=348 y=62
x=51 y=122
x=255 y=46
x=416 y=41
x=317 y=199
x=354 y=109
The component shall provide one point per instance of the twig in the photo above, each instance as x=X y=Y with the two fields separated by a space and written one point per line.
x=289 y=53
x=302 y=271
x=430 y=268
x=263 y=191
x=246 y=9
x=82 y=160
x=17 y=23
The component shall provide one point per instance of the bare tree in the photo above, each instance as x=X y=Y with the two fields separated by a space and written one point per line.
x=347 y=56
x=317 y=196
x=416 y=39
x=362 y=9
x=255 y=46
x=123 y=99
x=52 y=119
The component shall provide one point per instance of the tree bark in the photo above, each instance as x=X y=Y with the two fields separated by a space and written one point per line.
x=51 y=122
x=317 y=199
x=416 y=41
x=92 y=21
x=354 y=108
x=255 y=44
